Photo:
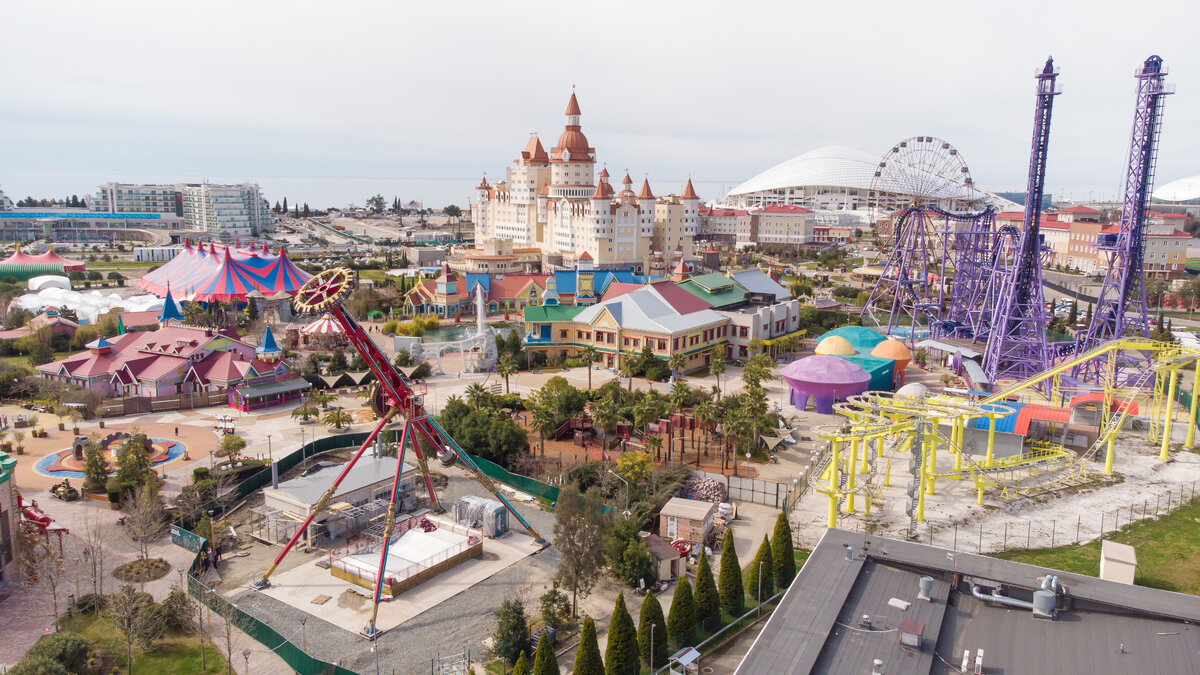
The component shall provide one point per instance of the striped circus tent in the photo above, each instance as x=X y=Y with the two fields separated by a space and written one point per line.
x=225 y=273
x=326 y=325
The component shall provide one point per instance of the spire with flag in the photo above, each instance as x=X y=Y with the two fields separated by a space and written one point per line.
x=268 y=349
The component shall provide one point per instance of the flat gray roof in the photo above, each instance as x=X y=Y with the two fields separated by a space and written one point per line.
x=816 y=628
x=367 y=471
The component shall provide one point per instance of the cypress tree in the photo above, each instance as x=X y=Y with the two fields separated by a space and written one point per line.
x=781 y=553
x=285 y=205
x=683 y=614
x=708 y=604
x=545 y=662
x=652 y=615
x=587 y=659
x=522 y=666
x=733 y=597
x=621 y=654
x=762 y=560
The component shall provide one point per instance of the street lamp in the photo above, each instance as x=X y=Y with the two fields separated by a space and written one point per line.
x=269 y=448
x=651 y=647
x=626 y=514
x=758 y=610
x=246 y=658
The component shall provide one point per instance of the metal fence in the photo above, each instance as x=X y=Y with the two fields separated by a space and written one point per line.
x=992 y=537
x=756 y=491
x=299 y=660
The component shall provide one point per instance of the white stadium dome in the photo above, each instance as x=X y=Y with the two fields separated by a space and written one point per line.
x=835 y=165
x=838 y=178
x=1182 y=190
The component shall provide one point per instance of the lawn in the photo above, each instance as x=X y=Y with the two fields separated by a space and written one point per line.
x=1168 y=552
x=172 y=655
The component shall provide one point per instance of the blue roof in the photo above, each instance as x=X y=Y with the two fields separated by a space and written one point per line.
x=1007 y=424
x=564 y=280
x=98 y=343
x=268 y=343
x=170 y=310
x=482 y=279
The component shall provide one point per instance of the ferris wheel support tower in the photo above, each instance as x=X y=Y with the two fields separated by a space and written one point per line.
x=1016 y=346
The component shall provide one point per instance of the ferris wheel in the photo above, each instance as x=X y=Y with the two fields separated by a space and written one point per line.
x=922 y=170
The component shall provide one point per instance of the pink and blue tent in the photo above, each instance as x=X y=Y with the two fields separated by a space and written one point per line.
x=225 y=273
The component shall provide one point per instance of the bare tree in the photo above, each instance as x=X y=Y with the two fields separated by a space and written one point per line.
x=146 y=519
x=96 y=549
x=231 y=627
x=41 y=565
x=134 y=614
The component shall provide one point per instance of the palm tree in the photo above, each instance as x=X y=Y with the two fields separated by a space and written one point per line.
x=757 y=369
x=627 y=367
x=706 y=414
x=655 y=443
x=604 y=414
x=677 y=362
x=304 y=413
x=755 y=404
x=323 y=399
x=680 y=395
x=716 y=365
x=647 y=410
x=542 y=418
x=508 y=366
x=737 y=428
x=589 y=357
x=337 y=419
x=476 y=395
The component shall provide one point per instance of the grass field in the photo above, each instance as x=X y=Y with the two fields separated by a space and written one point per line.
x=1168 y=552
x=172 y=655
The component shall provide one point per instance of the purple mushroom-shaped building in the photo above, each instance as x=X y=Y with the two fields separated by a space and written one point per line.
x=824 y=378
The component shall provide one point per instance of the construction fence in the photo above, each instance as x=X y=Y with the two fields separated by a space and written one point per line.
x=296 y=658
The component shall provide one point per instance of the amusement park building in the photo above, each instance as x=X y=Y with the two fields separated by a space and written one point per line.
x=689 y=315
x=557 y=202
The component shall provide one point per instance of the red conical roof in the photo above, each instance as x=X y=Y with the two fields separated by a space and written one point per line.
x=604 y=172
x=627 y=180
x=646 y=193
x=573 y=106
x=534 y=152
x=689 y=192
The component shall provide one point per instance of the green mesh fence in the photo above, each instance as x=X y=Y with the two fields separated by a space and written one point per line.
x=299 y=660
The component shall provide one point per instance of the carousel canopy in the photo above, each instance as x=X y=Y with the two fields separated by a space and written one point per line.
x=326 y=325
x=52 y=258
x=225 y=273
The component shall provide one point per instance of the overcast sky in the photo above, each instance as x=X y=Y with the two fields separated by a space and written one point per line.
x=329 y=102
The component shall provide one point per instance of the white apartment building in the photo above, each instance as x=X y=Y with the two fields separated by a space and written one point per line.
x=6 y=204
x=134 y=198
x=226 y=211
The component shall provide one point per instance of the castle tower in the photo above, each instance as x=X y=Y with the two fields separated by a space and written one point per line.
x=170 y=311
x=585 y=286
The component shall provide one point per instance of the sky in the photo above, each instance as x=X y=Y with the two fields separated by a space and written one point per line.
x=328 y=103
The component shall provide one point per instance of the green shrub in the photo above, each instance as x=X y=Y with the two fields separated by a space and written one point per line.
x=113 y=488
x=91 y=601
x=70 y=650
x=38 y=665
x=178 y=612
x=200 y=473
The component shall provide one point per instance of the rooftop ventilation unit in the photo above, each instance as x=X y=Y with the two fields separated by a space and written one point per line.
x=926 y=589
